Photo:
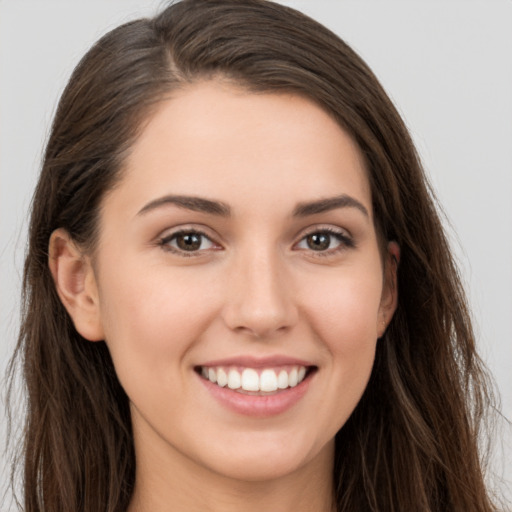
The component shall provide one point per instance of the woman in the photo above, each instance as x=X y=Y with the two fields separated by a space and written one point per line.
x=238 y=290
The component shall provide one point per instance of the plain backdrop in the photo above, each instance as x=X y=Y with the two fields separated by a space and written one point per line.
x=446 y=64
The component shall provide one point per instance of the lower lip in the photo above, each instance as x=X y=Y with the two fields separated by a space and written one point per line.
x=261 y=406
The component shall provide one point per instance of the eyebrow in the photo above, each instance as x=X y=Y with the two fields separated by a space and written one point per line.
x=328 y=204
x=199 y=204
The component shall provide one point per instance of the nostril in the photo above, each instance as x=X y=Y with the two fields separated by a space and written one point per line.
x=260 y=307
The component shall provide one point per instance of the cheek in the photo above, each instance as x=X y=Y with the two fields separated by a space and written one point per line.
x=345 y=318
x=345 y=312
x=149 y=323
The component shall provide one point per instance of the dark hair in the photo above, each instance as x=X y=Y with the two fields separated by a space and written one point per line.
x=411 y=443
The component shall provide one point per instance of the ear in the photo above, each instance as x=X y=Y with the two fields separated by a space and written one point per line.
x=75 y=283
x=389 y=299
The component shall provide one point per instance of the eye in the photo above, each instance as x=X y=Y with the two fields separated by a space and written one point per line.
x=325 y=240
x=189 y=241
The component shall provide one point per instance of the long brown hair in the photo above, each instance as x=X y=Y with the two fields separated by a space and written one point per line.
x=412 y=442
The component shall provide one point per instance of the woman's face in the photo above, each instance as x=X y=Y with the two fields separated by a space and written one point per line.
x=239 y=249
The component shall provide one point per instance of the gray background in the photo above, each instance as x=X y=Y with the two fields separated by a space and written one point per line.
x=447 y=65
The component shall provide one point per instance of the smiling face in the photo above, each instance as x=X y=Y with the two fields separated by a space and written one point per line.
x=239 y=251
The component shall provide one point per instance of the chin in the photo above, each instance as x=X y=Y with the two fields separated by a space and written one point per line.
x=266 y=458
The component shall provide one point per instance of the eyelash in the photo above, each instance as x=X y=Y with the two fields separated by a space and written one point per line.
x=166 y=240
x=346 y=242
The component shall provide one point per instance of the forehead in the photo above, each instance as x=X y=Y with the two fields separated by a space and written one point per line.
x=214 y=139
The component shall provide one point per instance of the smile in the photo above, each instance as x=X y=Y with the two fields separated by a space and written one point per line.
x=257 y=387
x=254 y=380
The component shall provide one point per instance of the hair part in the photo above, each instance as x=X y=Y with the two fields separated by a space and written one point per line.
x=411 y=443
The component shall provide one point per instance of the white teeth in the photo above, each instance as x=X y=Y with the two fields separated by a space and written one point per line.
x=267 y=380
x=222 y=377
x=250 y=380
x=234 y=379
x=293 y=378
x=282 y=380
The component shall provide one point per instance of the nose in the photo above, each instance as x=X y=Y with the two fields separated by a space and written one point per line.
x=260 y=299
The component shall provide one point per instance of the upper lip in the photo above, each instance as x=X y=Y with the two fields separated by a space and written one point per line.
x=258 y=362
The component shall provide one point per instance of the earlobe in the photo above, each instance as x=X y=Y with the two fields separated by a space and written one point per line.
x=75 y=284
x=389 y=300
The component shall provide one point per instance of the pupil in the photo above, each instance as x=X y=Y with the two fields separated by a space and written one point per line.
x=318 y=241
x=190 y=242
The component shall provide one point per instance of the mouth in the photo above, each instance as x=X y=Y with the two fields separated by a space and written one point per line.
x=256 y=381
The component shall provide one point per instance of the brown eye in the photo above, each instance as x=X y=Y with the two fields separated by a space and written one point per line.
x=318 y=241
x=325 y=241
x=189 y=241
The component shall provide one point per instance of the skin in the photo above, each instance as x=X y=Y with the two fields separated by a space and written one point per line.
x=255 y=287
